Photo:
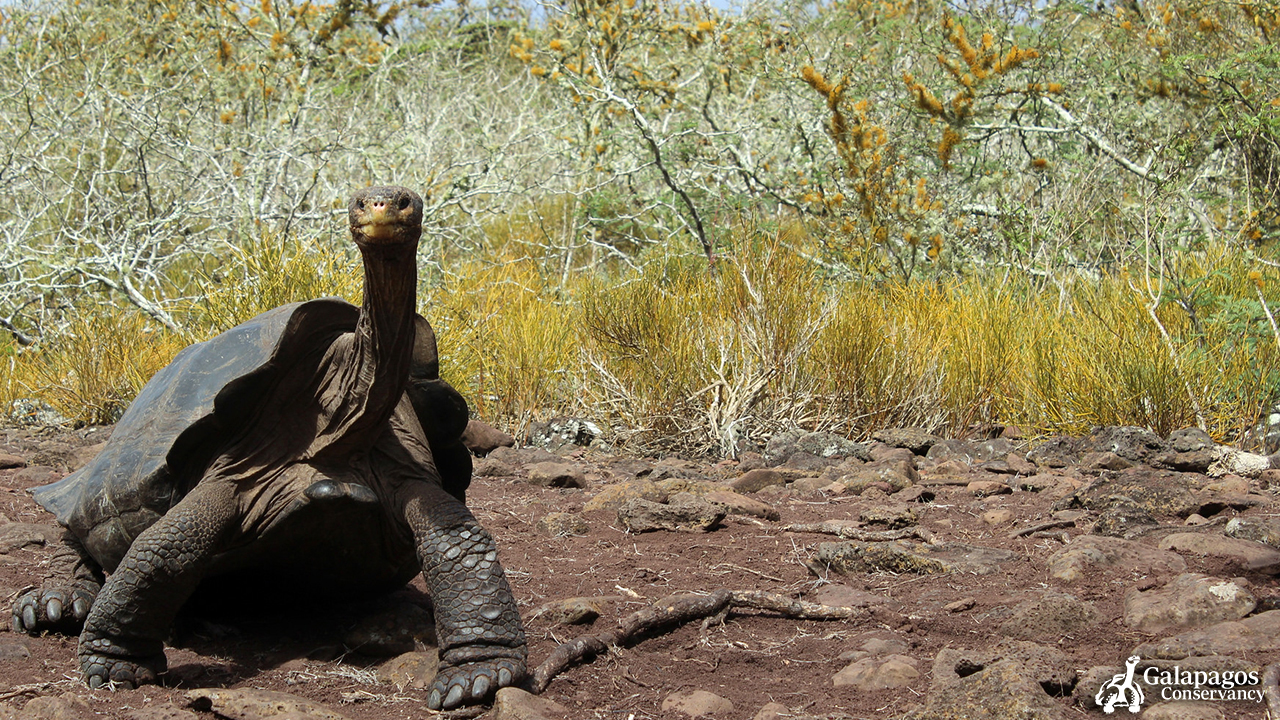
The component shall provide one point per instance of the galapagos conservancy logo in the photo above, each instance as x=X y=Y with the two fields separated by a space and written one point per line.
x=1126 y=689
x=1122 y=690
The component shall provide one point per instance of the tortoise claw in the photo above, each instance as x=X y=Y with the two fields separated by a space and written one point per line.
x=105 y=662
x=472 y=683
x=46 y=609
x=100 y=670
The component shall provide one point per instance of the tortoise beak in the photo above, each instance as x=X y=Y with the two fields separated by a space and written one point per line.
x=386 y=215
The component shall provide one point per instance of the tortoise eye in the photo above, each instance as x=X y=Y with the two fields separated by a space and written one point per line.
x=404 y=202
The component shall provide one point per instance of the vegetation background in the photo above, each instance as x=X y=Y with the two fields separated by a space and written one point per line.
x=695 y=225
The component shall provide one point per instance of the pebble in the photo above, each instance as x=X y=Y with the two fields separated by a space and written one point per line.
x=638 y=515
x=756 y=480
x=915 y=493
x=1049 y=668
x=1020 y=465
x=915 y=439
x=8 y=461
x=872 y=674
x=987 y=488
x=553 y=474
x=482 y=438
x=493 y=467
x=412 y=669
x=774 y=711
x=32 y=476
x=893 y=474
x=515 y=704
x=13 y=651
x=1104 y=461
x=1265 y=530
x=19 y=535
x=947 y=471
x=697 y=703
x=891 y=516
x=878 y=645
x=1002 y=690
x=523 y=456
x=735 y=504
x=1122 y=518
x=1162 y=493
x=613 y=497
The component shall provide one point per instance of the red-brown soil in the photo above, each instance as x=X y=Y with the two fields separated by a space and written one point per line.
x=752 y=659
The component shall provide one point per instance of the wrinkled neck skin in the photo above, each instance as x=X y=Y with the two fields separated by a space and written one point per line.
x=367 y=370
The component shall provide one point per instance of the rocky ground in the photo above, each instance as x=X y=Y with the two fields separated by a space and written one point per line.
x=979 y=578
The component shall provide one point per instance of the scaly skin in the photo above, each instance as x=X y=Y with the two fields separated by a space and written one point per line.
x=478 y=628
x=64 y=602
x=123 y=637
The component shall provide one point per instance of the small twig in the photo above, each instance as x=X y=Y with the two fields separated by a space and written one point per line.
x=19 y=336
x=843 y=529
x=634 y=627
x=766 y=576
x=798 y=609
x=1045 y=526
x=1096 y=139
x=1275 y=332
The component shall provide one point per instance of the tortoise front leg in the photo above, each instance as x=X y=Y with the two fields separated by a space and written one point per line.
x=478 y=628
x=123 y=638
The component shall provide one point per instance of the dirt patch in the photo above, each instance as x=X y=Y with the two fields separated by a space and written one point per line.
x=750 y=658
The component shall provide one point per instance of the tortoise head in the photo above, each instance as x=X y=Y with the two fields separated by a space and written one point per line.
x=385 y=216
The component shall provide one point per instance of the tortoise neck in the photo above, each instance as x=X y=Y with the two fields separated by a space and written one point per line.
x=383 y=342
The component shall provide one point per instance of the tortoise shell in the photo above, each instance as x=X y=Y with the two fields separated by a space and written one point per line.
x=184 y=415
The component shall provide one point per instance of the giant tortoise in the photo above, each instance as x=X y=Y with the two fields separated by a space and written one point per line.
x=312 y=446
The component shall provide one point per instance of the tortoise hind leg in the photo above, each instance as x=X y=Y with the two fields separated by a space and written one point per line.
x=123 y=638
x=64 y=601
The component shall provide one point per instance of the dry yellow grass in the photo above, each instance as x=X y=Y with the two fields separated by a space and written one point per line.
x=93 y=370
x=680 y=355
x=267 y=271
x=506 y=338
